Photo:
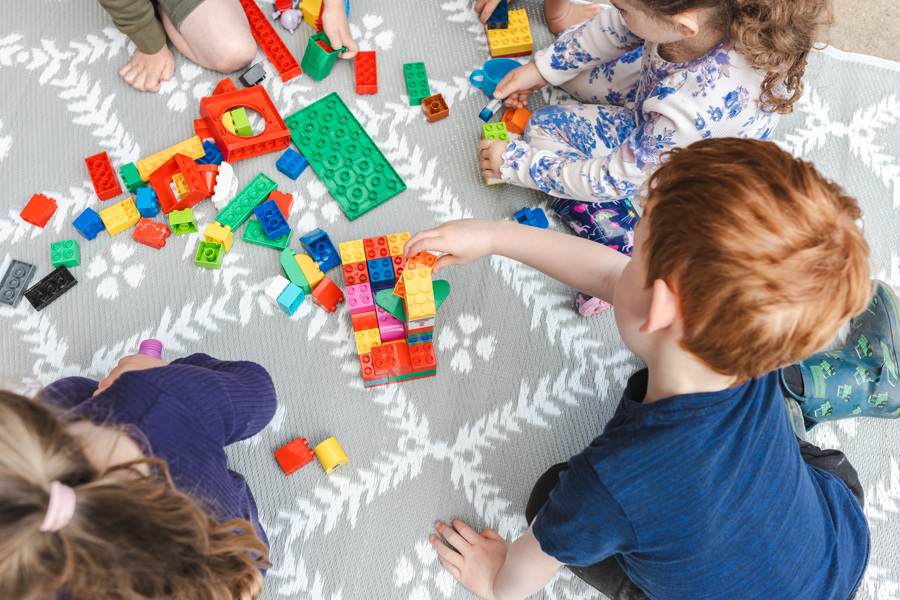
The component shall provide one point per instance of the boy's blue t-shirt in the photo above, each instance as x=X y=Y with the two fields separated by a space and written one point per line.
x=706 y=496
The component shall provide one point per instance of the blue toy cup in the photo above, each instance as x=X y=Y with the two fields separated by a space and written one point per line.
x=493 y=71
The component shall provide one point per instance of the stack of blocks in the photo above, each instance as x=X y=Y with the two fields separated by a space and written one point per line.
x=515 y=40
x=305 y=276
x=390 y=350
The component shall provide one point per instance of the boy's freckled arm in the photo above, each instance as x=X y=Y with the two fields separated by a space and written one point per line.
x=527 y=569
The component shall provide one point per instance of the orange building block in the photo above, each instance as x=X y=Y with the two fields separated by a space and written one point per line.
x=284 y=201
x=516 y=119
x=396 y=242
x=435 y=108
x=364 y=321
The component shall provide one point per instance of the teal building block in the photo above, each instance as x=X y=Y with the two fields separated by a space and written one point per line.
x=131 y=177
x=494 y=131
x=67 y=254
x=182 y=221
x=241 y=207
x=255 y=234
x=210 y=255
x=319 y=57
x=290 y=299
x=416 y=82
x=343 y=155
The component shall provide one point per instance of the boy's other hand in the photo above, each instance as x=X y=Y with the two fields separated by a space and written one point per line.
x=477 y=556
x=144 y=72
x=485 y=8
x=336 y=27
x=461 y=242
x=134 y=362
x=518 y=83
x=490 y=154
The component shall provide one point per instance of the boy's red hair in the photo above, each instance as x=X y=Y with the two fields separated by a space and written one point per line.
x=764 y=254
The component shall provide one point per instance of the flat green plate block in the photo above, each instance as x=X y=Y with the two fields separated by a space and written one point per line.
x=293 y=271
x=343 y=155
x=241 y=207
x=255 y=234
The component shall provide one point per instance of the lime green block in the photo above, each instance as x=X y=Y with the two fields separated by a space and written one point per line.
x=182 y=221
x=210 y=255
x=241 y=122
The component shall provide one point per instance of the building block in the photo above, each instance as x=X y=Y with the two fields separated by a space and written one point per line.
x=182 y=221
x=327 y=295
x=293 y=271
x=329 y=452
x=365 y=320
x=225 y=86
x=422 y=259
x=435 y=108
x=253 y=76
x=241 y=122
x=499 y=19
x=146 y=202
x=38 y=210
x=161 y=178
x=191 y=147
x=391 y=304
x=441 y=291
x=254 y=234
x=419 y=296
x=356 y=273
x=416 y=82
x=291 y=163
x=131 y=177
x=272 y=45
x=366 y=340
x=319 y=57
x=51 y=287
x=494 y=131
x=228 y=122
x=66 y=253
x=367 y=368
x=211 y=154
x=181 y=186
x=390 y=328
x=352 y=252
x=241 y=207
x=376 y=248
x=366 y=73
x=103 y=178
x=422 y=357
x=516 y=40
x=120 y=217
x=381 y=271
x=284 y=201
x=392 y=359
x=274 y=289
x=15 y=282
x=209 y=255
x=319 y=246
x=310 y=269
x=343 y=155
x=271 y=219
x=399 y=264
x=535 y=218
x=294 y=455
x=89 y=223
x=274 y=136
x=359 y=298
x=151 y=233
x=290 y=299
x=396 y=243
x=202 y=130
x=515 y=120
x=210 y=174
x=215 y=232
x=226 y=186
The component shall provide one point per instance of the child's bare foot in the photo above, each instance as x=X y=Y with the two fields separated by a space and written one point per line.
x=562 y=16
x=144 y=72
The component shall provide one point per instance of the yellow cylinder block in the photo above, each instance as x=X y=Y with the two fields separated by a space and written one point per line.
x=330 y=454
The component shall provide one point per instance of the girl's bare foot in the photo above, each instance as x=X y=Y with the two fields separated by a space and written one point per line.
x=560 y=17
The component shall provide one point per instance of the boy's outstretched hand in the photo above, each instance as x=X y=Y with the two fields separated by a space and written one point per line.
x=518 y=84
x=461 y=242
x=337 y=29
x=144 y=72
x=477 y=556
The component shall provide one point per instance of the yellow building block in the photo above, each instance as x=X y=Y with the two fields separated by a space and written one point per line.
x=419 y=293
x=366 y=340
x=216 y=232
x=227 y=122
x=192 y=147
x=181 y=185
x=516 y=40
x=310 y=269
x=396 y=242
x=120 y=216
x=352 y=252
x=311 y=11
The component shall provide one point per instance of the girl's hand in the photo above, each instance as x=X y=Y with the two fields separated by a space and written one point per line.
x=477 y=556
x=485 y=8
x=135 y=362
x=462 y=242
x=490 y=153
x=518 y=83
x=336 y=27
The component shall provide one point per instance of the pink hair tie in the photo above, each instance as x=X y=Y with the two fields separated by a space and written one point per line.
x=61 y=507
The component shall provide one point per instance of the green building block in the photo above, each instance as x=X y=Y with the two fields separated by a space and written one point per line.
x=241 y=207
x=182 y=221
x=255 y=234
x=293 y=271
x=210 y=255
x=241 y=122
x=343 y=155
x=494 y=131
x=392 y=303
x=416 y=82
x=67 y=254
x=319 y=57
x=131 y=177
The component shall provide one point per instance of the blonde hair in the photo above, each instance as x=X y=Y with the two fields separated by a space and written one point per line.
x=132 y=536
x=764 y=254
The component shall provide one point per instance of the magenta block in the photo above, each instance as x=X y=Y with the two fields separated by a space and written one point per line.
x=359 y=298
x=390 y=328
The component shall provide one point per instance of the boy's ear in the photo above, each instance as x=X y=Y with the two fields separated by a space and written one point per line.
x=687 y=23
x=664 y=310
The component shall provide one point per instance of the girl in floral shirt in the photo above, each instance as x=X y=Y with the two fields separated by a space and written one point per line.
x=653 y=75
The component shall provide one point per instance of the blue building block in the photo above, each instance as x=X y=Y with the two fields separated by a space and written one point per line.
x=292 y=163
x=535 y=218
x=213 y=155
x=319 y=246
x=381 y=271
x=290 y=299
x=272 y=220
x=89 y=223
x=146 y=202
x=499 y=19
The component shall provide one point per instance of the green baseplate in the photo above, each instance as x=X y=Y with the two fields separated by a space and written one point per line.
x=343 y=155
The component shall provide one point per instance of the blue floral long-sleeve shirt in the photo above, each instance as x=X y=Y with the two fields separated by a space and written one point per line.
x=651 y=106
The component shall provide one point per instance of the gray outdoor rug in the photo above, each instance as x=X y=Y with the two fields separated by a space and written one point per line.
x=523 y=381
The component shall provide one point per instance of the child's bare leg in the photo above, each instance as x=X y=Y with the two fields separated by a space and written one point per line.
x=561 y=14
x=216 y=35
x=144 y=72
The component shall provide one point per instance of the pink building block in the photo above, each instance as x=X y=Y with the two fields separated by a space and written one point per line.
x=359 y=298
x=389 y=327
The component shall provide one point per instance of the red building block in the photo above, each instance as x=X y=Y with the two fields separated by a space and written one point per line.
x=151 y=233
x=327 y=295
x=356 y=273
x=275 y=135
x=364 y=321
x=224 y=87
x=294 y=455
x=422 y=259
x=516 y=119
x=435 y=108
x=366 y=73
x=271 y=44
x=102 y=175
x=209 y=173
x=283 y=5
x=399 y=265
x=392 y=359
x=38 y=210
x=367 y=368
x=284 y=201
x=201 y=128
x=161 y=177
x=376 y=248
x=422 y=356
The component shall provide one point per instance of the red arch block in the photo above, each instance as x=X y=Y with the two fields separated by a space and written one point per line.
x=234 y=147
